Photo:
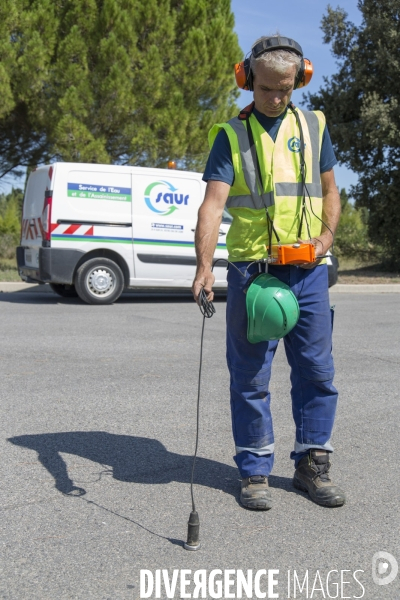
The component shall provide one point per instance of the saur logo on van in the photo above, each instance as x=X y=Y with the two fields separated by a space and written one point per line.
x=156 y=201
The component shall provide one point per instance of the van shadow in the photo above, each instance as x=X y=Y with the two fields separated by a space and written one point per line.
x=130 y=459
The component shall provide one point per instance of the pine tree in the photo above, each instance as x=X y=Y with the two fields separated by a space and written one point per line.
x=114 y=81
x=362 y=105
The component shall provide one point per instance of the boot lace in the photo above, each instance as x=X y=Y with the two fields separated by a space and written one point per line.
x=322 y=471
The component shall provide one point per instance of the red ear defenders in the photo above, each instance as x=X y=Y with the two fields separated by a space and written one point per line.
x=244 y=76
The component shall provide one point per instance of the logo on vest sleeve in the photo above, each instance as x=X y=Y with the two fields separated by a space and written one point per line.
x=164 y=202
x=294 y=144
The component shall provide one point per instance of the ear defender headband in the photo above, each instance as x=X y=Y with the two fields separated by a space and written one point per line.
x=244 y=75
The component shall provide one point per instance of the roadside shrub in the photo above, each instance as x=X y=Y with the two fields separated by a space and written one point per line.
x=351 y=239
x=10 y=222
x=8 y=244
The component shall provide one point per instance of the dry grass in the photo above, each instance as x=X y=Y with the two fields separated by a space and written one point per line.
x=8 y=270
x=354 y=271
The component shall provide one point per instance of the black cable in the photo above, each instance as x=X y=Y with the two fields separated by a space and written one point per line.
x=303 y=168
x=193 y=543
x=303 y=173
x=262 y=260
x=312 y=210
x=198 y=406
x=207 y=309
x=322 y=221
x=317 y=217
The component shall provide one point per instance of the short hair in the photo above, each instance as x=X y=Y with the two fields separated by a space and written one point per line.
x=279 y=60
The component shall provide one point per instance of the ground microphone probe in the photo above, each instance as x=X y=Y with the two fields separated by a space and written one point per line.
x=207 y=309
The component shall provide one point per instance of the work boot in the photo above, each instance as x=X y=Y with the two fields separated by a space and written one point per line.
x=312 y=476
x=255 y=493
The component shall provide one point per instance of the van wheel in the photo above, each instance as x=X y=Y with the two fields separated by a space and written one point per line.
x=63 y=290
x=99 y=281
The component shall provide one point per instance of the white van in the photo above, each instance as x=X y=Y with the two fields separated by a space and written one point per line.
x=95 y=230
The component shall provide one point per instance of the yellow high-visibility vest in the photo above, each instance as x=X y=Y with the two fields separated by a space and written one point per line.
x=282 y=193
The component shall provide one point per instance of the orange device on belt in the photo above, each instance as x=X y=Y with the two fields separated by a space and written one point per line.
x=292 y=254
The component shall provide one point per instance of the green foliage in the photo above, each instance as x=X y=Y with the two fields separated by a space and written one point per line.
x=361 y=102
x=114 y=81
x=10 y=222
x=344 y=199
x=351 y=239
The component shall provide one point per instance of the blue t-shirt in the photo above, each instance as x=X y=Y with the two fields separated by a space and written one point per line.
x=219 y=165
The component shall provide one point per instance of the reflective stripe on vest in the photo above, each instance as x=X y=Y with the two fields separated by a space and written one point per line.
x=255 y=199
x=313 y=128
x=296 y=189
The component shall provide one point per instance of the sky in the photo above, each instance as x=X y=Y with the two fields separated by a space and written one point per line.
x=299 y=20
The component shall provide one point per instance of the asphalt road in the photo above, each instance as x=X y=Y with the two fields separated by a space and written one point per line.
x=100 y=401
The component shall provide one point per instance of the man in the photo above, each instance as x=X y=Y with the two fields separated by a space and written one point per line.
x=261 y=182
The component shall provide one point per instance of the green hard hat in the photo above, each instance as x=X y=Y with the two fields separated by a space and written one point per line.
x=272 y=309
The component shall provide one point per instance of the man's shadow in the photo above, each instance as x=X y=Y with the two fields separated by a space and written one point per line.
x=130 y=459
x=126 y=458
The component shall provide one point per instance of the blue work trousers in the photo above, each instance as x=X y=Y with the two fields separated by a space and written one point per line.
x=308 y=350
